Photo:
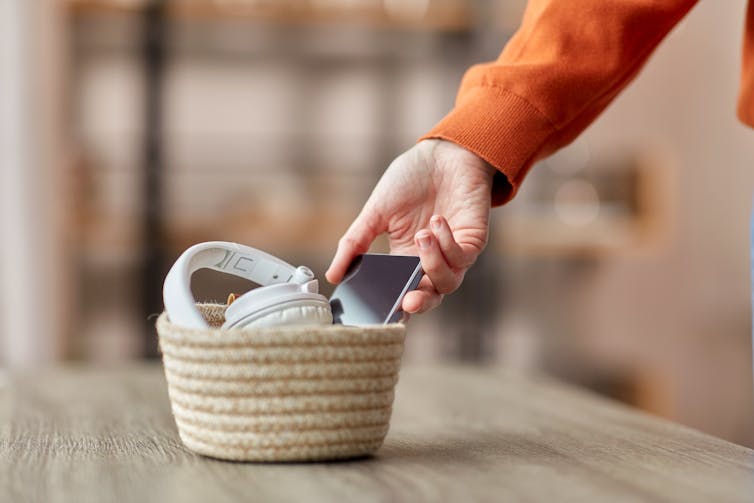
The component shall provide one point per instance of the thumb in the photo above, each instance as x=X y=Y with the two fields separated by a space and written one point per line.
x=357 y=240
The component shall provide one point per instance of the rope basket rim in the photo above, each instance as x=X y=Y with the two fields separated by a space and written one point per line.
x=315 y=335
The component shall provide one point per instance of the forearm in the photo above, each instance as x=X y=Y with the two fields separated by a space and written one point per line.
x=566 y=63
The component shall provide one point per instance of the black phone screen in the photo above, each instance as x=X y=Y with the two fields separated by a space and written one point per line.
x=373 y=287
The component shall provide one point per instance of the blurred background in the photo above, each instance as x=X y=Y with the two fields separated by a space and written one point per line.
x=132 y=129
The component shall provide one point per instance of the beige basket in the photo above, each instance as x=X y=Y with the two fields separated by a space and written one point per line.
x=281 y=394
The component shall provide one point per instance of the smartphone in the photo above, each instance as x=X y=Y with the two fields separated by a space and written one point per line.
x=373 y=288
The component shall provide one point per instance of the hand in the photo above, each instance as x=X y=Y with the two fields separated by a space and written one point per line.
x=433 y=201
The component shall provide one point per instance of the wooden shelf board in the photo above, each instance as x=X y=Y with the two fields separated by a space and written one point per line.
x=446 y=16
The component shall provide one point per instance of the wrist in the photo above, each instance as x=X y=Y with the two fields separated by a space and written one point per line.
x=499 y=184
x=463 y=156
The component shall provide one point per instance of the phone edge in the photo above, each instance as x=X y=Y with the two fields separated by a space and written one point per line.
x=411 y=284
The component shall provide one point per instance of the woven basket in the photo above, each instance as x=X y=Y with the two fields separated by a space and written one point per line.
x=281 y=394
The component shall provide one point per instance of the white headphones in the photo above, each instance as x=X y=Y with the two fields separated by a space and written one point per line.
x=287 y=295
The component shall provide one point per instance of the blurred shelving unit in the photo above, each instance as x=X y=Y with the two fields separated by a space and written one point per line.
x=240 y=120
x=618 y=203
x=578 y=211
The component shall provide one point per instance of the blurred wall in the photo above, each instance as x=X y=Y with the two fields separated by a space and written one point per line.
x=33 y=266
x=684 y=314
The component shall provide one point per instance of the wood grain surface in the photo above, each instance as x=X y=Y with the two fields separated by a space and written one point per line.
x=457 y=434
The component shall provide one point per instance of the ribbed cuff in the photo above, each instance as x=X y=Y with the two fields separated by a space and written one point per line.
x=500 y=127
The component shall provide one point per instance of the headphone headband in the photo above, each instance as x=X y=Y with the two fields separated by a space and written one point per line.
x=232 y=258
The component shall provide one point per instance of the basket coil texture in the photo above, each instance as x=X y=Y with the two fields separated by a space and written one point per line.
x=296 y=393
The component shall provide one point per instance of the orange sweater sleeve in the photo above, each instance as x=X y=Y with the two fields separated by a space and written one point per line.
x=564 y=65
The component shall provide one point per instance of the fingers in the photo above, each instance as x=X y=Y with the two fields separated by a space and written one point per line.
x=443 y=259
x=444 y=263
x=443 y=277
x=357 y=240
x=424 y=298
x=452 y=251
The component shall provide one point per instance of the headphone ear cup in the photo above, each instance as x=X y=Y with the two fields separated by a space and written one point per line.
x=275 y=305
x=303 y=314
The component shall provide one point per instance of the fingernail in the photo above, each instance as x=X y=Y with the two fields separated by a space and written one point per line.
x=436 y=222
x=423 y=240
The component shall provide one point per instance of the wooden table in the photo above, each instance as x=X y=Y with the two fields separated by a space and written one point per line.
x=457 y=434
